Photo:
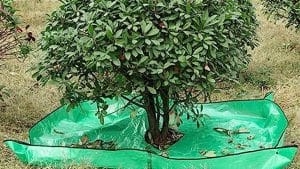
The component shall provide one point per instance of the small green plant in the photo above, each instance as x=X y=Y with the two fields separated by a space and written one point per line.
x=288 y=10
x=13 y=41
x=155 y=54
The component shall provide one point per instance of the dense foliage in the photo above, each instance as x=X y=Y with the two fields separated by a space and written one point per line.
x=288 y=10
x=152 y=51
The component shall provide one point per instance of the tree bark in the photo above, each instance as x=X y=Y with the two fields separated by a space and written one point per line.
x=165 y=100
x=156 y=135
x=152 y=121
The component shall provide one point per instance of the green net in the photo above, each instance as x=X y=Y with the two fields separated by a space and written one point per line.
x=235 y=134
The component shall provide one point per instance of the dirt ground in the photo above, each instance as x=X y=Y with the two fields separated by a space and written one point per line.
x=275 y=67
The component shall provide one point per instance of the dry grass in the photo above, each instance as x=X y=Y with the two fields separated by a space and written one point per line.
x=27 y=102
x=275 y=66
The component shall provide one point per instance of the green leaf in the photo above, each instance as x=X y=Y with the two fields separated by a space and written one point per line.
x=156 y=42
x=153 y=32
x=148 y=42
x=134 y=53
x=200 y=36
x=147 y=28
x=211 y=80
x=134 y=41
x=225 y=44
x=142 y=70
x=127 y=55
x=175 y=40
x=143 y=26
x=143 y=59
x=138 y=50
x=151 y=90
x=117 y=62
x=188 y=6
x=168 y=64
x=109 y=32
x=213 y=53
x=182 y=59
x=118 y=33
x=198 y=50
x=91 y=29
x=189 y=48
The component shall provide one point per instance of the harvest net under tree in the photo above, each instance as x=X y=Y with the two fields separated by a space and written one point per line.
x=238 y=134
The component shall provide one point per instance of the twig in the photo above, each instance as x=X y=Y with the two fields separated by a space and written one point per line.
x=132 y=101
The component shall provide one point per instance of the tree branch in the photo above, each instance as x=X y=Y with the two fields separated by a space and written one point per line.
x=158 y=114
x=126 y=105
x=132 y=101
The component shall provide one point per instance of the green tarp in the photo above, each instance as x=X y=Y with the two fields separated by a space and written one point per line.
x=52 y=138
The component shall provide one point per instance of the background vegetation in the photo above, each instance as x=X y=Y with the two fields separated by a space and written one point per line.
x=275 y=66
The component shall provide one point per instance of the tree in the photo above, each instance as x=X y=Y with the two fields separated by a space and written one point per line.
x=7 y=29
x=12 y=40
x=156 y=54
x=288 y=10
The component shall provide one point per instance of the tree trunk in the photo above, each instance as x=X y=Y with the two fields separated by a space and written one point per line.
x=154 y=134
x=165 y=101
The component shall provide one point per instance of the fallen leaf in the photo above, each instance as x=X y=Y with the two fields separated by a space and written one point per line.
x=84 y=139
x=210 y=154
x=243 y=130
x=133 y=114
x=261 y=146
x=58 y=132
x=226 y=152
x=13 y=73
x=230 y=140
x=164 y=154
x=251 y=137
x=224 y=131
x=241 y=146
x=202 y=152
